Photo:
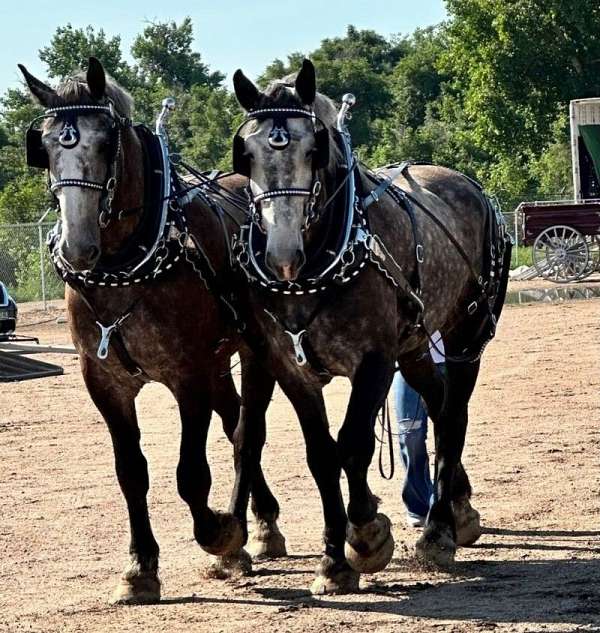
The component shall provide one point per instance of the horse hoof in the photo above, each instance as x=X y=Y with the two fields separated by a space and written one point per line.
x=230 y=566
x=468 y=524
x=230 y=537
x=141 y=589
x=436 y=547
x=334 y=578
x=266 y=541
x=369 y=548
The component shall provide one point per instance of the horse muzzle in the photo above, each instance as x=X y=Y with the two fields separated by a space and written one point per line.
x=80 y=258
x=286 y=268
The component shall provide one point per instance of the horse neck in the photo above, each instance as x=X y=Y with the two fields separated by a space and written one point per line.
x=129 y=193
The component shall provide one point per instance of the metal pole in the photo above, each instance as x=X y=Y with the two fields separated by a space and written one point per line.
x=516 y=221
x=42 y=272
x=573 y=120
x=41 y=251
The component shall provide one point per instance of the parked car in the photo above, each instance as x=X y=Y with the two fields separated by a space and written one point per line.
x=8 y=312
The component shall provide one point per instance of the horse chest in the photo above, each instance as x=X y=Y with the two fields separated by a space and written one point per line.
x=167 y=344
x=330 y=340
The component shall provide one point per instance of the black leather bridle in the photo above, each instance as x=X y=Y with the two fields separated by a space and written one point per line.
x=279 y=139
x=69 y=136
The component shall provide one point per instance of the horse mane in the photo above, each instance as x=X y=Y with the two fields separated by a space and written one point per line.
x=281 y=93
x=74 y=90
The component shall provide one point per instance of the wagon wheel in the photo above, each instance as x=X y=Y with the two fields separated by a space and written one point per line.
x=561 y=254
x=593 y=245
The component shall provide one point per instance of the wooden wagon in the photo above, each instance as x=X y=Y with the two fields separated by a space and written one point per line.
x=565 y=234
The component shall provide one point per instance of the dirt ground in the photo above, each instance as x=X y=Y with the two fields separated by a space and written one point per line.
x=532 y=454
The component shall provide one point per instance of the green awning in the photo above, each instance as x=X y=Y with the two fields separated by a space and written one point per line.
x=591 y=138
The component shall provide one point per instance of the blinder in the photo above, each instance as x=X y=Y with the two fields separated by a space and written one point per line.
x=69 y=136
x=36 y=154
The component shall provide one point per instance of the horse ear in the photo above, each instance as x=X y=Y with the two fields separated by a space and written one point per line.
x=246 y=92
x=96 y=79
x=45 y=95
x=306 y=83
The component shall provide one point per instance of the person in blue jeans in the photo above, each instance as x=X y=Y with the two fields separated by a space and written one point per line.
x=411 y=416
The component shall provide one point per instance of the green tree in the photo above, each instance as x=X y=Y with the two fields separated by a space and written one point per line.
x=23 y=199
x=357 y=62
x=70 y=49
x=164 y=55
x=517 y=64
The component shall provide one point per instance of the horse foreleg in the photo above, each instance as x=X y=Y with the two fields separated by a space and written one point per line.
x=452 y=488
x=369 y=542
x=334 y=575
x=267 y=541
x=139 y=583
x=466 y=518
x=217 y=533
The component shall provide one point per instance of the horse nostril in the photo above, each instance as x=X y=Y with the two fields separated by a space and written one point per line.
x=93 y=253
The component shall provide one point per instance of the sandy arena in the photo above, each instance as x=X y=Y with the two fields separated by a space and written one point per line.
x=532 y=455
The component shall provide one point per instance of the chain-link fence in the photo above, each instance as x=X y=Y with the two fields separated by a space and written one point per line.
x=28 y=273
x=25 y=266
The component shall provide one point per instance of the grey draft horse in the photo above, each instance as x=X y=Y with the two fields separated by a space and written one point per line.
x=355 y=298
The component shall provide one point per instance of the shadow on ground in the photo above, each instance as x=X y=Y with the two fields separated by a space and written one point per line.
x=565 y=591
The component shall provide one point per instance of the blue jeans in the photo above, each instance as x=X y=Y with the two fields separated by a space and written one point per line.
x=417 y=491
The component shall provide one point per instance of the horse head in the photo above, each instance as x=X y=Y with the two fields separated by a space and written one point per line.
x=79 y=142
x=283 y=147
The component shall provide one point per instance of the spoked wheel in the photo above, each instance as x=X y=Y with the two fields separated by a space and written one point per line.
x=561 y=254
x=593 y=243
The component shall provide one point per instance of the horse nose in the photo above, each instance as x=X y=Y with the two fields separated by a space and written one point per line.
x=286 y=268
x=84 y=258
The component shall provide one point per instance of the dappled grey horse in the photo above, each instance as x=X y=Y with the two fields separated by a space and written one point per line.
x=348 y=273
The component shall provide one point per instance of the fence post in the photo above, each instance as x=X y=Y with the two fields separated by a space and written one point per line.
x=41 y=250
x=42 y=271
x=516 y=220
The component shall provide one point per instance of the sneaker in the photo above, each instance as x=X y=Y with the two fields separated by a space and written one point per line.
x=415 y=521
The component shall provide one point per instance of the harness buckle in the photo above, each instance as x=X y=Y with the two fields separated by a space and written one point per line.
x=419 y=253
x=472 y=307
